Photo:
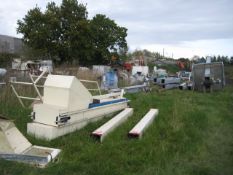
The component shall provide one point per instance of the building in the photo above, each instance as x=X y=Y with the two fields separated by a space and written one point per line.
x=9 y=44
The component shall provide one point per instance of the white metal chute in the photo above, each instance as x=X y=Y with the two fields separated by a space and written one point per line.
x=12 y=138
x=71 y=92
x=140 y=127
x=14 y=146
x=105 y=129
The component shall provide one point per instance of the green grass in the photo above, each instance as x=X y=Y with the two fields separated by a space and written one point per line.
x=191 y=135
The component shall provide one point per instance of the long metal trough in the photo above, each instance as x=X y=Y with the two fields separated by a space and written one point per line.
x=105 y=129
x=141 y=126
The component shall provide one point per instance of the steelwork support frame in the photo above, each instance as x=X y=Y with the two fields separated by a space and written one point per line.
x=34 y=84
x=94 y=82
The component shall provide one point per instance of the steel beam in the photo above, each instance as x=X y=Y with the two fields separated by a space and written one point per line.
x=105 y=129
x=141 y=126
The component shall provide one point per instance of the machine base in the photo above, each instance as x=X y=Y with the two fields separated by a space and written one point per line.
x=49 y=132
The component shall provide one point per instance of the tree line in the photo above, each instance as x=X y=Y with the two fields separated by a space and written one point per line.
x=65 y=34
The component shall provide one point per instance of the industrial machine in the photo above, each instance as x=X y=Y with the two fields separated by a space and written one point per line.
x=208 y=76
x=159 y=74
x=67 y=105
x=168 y=82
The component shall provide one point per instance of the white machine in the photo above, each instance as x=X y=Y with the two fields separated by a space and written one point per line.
x=67 y=106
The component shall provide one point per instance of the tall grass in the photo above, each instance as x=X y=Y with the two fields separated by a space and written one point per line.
x=191 y=135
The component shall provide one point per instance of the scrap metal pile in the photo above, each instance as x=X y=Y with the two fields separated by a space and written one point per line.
x=204 y=77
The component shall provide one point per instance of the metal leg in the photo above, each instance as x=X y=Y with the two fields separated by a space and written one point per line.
x=21 y=102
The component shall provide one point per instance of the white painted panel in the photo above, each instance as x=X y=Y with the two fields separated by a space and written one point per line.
x=67 y=92
x=56 y=96
x=112 y=124
x=16 y=140
x=19 y=148
x=59 y=81
x=47 y=114
x=140 y=127
x=49 y=132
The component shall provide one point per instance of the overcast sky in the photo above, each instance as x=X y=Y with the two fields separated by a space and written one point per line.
x=182 y=27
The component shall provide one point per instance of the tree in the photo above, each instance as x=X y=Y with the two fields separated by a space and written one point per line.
x=108 y=38
x=147 y=53
x=65 y=32
x=214 y=59
x=55 y=31
x=231 y=60
x=73 y=30
x=33 y=29
x=52 y=16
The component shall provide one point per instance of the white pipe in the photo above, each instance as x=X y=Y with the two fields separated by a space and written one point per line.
x=29 y=98
x=98 y=87
x=40 y=76
x=87 y=81
x=93 y=89
x=122 y=93
x=24 y=83
x=35 y=86
x=17 y=95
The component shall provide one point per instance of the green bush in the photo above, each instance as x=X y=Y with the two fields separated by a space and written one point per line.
x=6 y=59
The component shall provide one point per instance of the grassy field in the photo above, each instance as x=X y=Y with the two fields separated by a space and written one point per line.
x=193 y=134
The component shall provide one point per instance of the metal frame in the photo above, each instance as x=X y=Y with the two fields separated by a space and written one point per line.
x=2 y=83
x=94 y=82
x=34 y=84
